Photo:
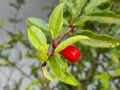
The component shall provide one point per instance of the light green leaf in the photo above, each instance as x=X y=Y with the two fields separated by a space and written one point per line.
x=77 y=7
x=42 y=53
x=36 y=37
x=98 y=18
x=70 y=41
x=114 y=56
x=105 y=19
x=32 y=21
x=63 y=63
x=117 y=72
x=56 y=21
x=99 y=40
x=47 y=75
x=105 y=83
x=92 y=5
x=104 y=78
x=33 y=84
x=59 y=71
x=81 y=21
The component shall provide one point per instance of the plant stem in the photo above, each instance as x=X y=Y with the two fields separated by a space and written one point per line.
x=71 y=29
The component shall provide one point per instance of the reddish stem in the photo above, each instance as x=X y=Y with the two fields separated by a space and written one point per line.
x=71 y=29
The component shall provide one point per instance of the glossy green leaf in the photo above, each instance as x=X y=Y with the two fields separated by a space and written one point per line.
x=70 y=41
x=36 y=37
x=99 y=40
x=98 y=18
x=32 y=21
x=59 y=71
x=47 y=75
x=92 y=5
x=56 y=21
x=77 y=7
x=42 y=53
x=117 y=72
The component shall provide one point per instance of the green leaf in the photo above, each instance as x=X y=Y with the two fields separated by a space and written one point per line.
x=99 y=40
x=2 y=23
x=33 y=84
x=42 y=53
x=105 y=19
x=114 y=56
x=36 y=37
x=59 y=71
x=47 y=75
x=92 y=5
x=69 y=41
x=32 y=21
x=117 y=72
x=68 y=4
x=13 y=20
x=98 y=18
x=105 y=83
x=56 y=21
x=104 y=78
x=77 y=7
x=81 y=21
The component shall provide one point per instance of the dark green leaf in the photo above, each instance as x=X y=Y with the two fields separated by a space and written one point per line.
x=14 y=5
x=56 y=21
x=69 y=41
x=12 y=20
x=36 y=37
x=32 y=21
x=59 y=70
x=99 y=40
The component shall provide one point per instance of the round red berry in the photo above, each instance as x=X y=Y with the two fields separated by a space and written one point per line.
x=71 y=53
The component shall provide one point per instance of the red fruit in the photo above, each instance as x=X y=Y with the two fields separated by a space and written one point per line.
x=71 y=53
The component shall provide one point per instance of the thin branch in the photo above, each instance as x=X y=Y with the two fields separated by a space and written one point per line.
x=71 y=29
x=91 y=71
x=14 y=65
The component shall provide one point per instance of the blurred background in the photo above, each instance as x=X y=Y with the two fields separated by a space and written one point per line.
x=16 y=62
